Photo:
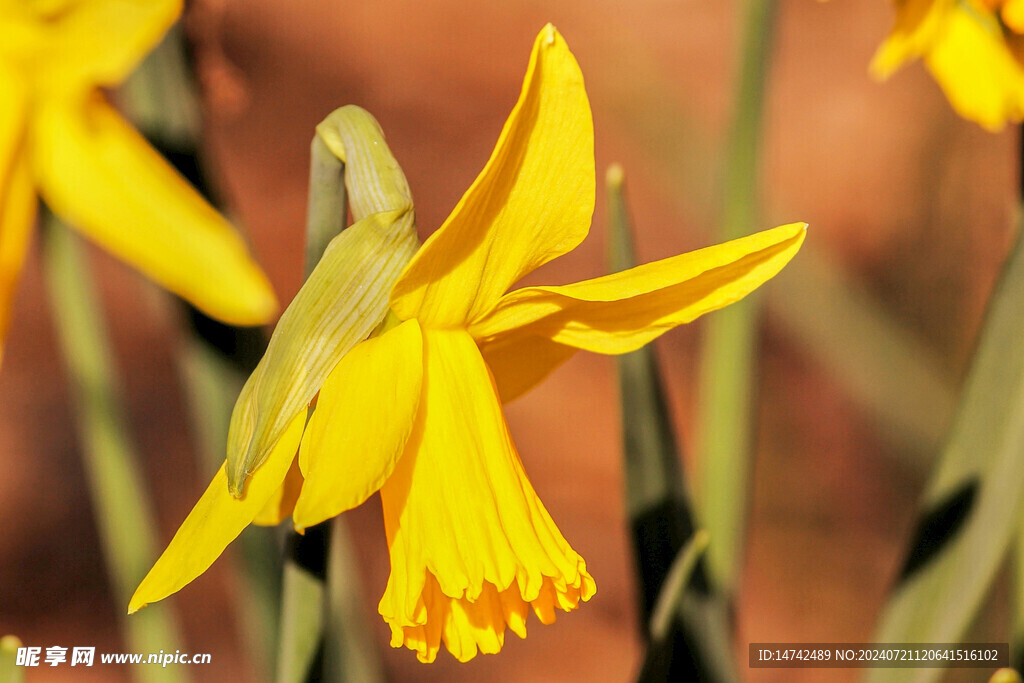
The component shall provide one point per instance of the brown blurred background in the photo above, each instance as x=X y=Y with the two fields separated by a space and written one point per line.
x=913 y=203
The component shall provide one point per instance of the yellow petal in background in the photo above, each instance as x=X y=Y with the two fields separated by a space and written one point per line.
x=918 y=22
x=532 y=202
x=17 y=195
x=102 y=178
x=342 y=301
x=621 y=312
x=980 y=76
x=215 y=521
x=472 y=547
x=1012 y=14
x=100 y=42
x=363 y=417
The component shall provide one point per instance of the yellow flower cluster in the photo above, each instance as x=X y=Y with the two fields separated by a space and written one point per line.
x=973 y=48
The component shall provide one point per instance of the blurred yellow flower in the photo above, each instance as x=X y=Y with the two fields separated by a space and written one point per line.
x=973 y=48
x=60 y=139
x=415 y=411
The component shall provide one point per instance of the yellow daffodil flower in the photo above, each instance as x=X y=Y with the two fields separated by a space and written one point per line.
x=60 y=139
x=973 y=48
x=414 y=411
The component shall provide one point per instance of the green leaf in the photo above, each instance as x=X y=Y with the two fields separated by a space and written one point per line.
x=971 y=507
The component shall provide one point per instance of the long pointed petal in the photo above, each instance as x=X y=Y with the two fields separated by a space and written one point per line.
x=215 y=521
x=622 y=312
x=472 y=547
x=101 y=177
x=342 y=301
x=363 y=418
x=532 y=202
x=17 y=196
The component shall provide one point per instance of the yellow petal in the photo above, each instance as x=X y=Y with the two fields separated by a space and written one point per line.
x=215 y=521
x=363 y=418
x=472 y=547
x=101 y=177
x=100 y=42
x=621 y=312
x=342 y=301
x=532 y=202
x=282 y=502
x=980 y=76
x=17 y=196
x=917 y=24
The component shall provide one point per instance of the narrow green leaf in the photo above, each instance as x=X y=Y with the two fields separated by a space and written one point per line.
x=125 y=519
x=727 y=387
x=971 y=507
x=695 y=641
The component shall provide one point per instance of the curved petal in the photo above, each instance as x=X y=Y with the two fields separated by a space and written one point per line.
x=215 y=521
x=621 y=312
x=472 y=547
x=982 y=79
x=342 y=301
x=17 y=196
x=100 y=42
x=363 y=417
x=101 y=177
x=532 y=202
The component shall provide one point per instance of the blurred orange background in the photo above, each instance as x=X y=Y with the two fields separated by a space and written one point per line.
x=913 y=203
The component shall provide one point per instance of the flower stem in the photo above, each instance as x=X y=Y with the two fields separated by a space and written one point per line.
x=126 y=521
x=727 y=385
x=321 y=635
x=10 y=672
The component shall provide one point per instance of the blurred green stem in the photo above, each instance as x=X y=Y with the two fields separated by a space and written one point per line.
x=727 y=374
x=10 y=672
x=126 y=522
x=161 y=99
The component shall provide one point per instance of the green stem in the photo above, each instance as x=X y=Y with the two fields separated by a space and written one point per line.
x=319 y=574
x=126 y=521
x=10 y=672
x=727 y=387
